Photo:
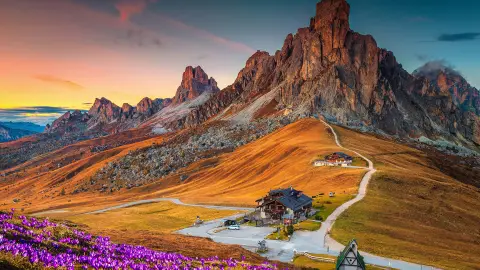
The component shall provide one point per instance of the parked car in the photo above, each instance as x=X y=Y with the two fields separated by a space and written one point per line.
x=234 y=227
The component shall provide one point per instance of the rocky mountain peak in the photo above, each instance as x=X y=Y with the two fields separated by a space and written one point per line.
x=332 y=20
x=126 y=108
x=102 y=104
x=194 y=82
x=434 y=69
x=147 y=106
x=103 y=111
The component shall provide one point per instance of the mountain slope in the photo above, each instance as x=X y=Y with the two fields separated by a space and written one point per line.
x=10 y=134
x=329 y=69
x=415 y=208
x=106 y=117
x=24 y=126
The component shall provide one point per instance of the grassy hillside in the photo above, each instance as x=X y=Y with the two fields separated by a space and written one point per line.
x=162 y=217
x=412 y=210
x=281 y=159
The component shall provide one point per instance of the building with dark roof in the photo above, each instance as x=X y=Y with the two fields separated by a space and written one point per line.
x=334 y=159
x=284 y=204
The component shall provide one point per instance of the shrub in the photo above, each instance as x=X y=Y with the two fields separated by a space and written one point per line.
x=290 y=229
x=318 y=217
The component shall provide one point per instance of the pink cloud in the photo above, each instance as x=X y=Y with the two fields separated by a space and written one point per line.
x=128 y=8
x=208 y=35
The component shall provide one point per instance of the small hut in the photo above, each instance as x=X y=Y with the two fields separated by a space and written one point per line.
x=350 y=258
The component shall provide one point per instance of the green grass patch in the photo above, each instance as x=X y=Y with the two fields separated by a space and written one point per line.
x=307 y=225
x=280 y=235
x=325 y=205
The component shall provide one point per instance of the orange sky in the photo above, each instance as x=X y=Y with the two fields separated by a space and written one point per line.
x=61 y=53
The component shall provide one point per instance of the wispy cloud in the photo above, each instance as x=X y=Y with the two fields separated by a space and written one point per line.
x=201 y=33
x=469 y=36
x=58 y=81
x=422 y=57
x=140 y=38
x=40 y=114
x=128 y=8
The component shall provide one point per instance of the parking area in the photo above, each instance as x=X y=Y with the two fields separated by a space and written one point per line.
x=245 y=232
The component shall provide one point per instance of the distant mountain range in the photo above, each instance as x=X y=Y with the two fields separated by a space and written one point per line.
x=325 y=69
x=24 y=126
x=10 y=131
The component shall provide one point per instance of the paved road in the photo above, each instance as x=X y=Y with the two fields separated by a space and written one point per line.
x=176 y=201
x=317 y=242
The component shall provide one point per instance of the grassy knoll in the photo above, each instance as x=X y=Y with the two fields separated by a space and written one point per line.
x=162 y=217
x=307 y=225
x=281 y=159
x=326 y=205
x=281 y=235
x=303 y=261
x=413 y=211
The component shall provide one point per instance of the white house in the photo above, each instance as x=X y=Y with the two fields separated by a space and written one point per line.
x=319 y=163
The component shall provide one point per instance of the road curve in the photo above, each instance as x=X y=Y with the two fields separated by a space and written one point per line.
x=173 y=200
x=330 y=245
x=362 y=191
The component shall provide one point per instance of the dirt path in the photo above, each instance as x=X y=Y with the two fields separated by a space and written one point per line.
x=173 y=200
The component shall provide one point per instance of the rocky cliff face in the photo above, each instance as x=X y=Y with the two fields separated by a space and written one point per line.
x=194 y=83
x=450 y=102
x=69 y=122
x=103 y=111
x=329 y=69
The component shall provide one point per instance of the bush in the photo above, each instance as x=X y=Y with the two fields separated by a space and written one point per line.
x=290 y=229
x=318 y=217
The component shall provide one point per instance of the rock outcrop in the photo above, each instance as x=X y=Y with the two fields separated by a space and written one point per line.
x=103 y=111
x=69 y=122
x=329 y=69
x=194 y=83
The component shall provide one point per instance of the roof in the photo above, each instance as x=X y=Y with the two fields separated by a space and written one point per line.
x=339 y=154
x=291 y=199
x=344 y=253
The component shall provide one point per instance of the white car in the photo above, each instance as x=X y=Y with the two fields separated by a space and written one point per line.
x=234 y=227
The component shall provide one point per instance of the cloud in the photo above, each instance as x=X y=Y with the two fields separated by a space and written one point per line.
x=422 y=57
x=140 y=38
x=128 y=8
x=459 y=37
x=432 y=68
x=201 y=33
x=40 y=114
x=202 y=56
x=58 y=81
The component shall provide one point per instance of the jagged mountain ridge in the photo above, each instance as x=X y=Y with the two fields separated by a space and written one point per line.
x=329 y=69
x=106 y=116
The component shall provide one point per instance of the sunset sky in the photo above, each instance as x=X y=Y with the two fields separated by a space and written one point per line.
x=62 y=54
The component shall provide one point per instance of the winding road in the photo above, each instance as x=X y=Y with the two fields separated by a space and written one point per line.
x=317 y=242
x=175 y=201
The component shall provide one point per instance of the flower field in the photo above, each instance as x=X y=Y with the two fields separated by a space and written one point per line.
x=45 y=244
